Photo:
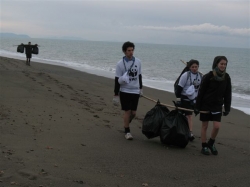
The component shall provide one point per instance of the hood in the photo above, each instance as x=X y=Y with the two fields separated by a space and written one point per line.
x=217 y=59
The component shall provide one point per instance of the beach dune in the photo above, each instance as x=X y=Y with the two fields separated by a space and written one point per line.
x=58 y=127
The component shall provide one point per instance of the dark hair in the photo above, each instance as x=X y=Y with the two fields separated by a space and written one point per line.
x=217 y=59
x=126 y=45
x=191 y=62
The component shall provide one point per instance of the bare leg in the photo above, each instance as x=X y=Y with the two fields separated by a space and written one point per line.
x=216 y=127
x=204 y=131
x=190 y=122
x=126 y=118
x=132 y=115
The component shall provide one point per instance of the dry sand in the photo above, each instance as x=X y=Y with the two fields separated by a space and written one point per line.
x=58 y=128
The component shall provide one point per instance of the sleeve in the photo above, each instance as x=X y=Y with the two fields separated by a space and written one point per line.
x=228 y=95
x=118 y=73
x=203 y=88
x=183 y=79
x=117 y=86
x=140 y=81
x=140 y=76
x=118 y=70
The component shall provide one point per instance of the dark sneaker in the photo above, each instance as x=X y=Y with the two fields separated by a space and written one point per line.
x=213 y=149
x=205 y=151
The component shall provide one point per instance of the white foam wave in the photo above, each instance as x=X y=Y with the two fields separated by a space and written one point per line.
x=239 y=101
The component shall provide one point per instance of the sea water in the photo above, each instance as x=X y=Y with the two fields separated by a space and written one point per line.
x=161 y=63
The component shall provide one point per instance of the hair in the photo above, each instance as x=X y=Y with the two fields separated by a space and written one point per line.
x=191 y=62
x=217 y=59
x=126 y=45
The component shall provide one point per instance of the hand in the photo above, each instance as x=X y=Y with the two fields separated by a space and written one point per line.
x=141 y=92
x=177 y=103
x=196 y=111
x=116 y=100
x=225 y=113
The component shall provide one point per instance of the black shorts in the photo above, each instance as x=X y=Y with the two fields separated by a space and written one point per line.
x=28 y=55
x=187 y=105
x=210 y=117
x=129 y=101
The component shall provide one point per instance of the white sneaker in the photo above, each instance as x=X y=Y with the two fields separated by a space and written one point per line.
x=128 y=136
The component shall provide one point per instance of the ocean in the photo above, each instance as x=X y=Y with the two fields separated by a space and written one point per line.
x=161 y=63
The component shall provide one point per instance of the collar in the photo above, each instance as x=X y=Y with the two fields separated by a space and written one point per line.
x=127 y=60
x=194 y=73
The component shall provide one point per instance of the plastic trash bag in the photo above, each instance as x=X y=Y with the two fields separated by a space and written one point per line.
x=175 y=129
x=20 y=48
x=152 y=122
x=35 y=50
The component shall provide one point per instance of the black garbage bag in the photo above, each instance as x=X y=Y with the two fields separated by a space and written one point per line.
x=152 y=121
x=20 y=48
x=35 y=50
x=175 y=129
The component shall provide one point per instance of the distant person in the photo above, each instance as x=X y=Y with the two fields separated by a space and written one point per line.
x=215 y=90
x=187 y=91
x=128 y=85
x=28 y=52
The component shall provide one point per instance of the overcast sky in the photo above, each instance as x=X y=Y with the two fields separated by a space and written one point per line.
x=204 y=22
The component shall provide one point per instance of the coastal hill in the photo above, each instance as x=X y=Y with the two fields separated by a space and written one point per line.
x=12 y=35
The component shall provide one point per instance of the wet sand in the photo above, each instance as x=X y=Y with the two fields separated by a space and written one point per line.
x=58 y=127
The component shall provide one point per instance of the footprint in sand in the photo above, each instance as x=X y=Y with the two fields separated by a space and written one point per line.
x=96 y=116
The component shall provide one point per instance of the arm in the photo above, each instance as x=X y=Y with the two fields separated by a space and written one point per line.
x=118 y=74
x=228 y=95
x=181 y=84
x=202 y=90
x=140 y=81
x=117 y=86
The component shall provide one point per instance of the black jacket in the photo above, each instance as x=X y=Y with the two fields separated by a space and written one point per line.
x=28 y=49
x=213 y=94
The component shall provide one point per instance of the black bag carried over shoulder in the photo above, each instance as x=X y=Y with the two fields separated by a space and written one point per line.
x=35 y=50
x=152 y=121
x=20 y=48
x=178 y=79
x=175 y=129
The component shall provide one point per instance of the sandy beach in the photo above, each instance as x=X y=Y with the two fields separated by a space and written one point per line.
x=58 y=127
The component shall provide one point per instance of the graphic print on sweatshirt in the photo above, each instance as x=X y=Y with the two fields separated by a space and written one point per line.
x=133 y=73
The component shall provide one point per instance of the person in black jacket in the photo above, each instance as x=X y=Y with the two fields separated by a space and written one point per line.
x=215 y=91
x=28 y=52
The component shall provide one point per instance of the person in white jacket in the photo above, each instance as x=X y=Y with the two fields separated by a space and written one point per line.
x=128 y=85
x=187 y=91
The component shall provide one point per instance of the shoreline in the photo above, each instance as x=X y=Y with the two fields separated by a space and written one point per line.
x=106 y=74
x=58 y=127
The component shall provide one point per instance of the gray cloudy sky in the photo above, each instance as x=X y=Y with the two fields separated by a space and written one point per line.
x=203 y=22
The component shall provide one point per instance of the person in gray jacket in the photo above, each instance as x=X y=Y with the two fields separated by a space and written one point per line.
x=128 y=85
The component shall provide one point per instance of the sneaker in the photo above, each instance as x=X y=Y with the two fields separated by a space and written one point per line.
x=213 y=149
x=128 y=136
x=191 y=137
x=205 y=151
